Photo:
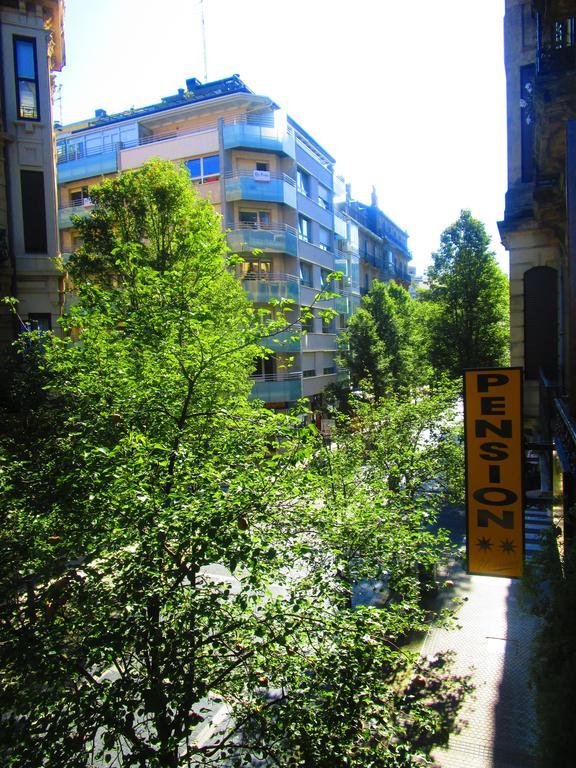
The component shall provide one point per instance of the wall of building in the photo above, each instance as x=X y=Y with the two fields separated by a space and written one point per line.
x=30 y=190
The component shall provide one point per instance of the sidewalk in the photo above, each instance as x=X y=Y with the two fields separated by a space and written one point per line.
x=494 y=646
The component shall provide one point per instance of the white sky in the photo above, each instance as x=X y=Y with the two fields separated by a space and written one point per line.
x=408 y=95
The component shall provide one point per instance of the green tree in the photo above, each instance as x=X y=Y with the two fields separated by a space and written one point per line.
x=178 y=562
x=469 y=323
x=383 y=341
x=365 y=354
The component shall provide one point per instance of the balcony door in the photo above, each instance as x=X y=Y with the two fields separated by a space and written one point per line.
x=254 y=219
x=256 y=269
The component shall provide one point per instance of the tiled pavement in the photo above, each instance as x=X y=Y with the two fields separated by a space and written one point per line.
x=493 y=644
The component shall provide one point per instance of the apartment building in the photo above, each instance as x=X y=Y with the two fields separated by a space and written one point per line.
x=275 y=188
x=31 y=48
x=380 y=245
x=539 y=225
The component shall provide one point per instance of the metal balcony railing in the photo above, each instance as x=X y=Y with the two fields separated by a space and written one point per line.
x=244 y=225
x=277 y=376
x=271 y=175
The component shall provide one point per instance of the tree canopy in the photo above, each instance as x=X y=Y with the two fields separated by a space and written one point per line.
x=469 y=325
x=180 y=563
x=383 y=341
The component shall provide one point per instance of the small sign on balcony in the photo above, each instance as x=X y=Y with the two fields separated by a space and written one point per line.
x=261 y=175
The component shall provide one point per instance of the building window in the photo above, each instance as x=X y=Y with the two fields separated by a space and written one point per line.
x=527 y=76
x=203 y=170
x=38 y=321
x=329 y=370
x=79 y=196
x=304 y=228
x=324 y=198
x=328 y=324
x=306 y=277
x=308 y=319
x=34 y=211
x=541 y=323
x=26 y=72
x=309 y=373
x=254 y=219
x=325 y=283
x=325 y=238
x=303 y=182
x=262 y=167
x=256 y=269
x=564 y=32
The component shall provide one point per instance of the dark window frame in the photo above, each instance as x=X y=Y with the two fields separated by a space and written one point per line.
x=19 y=78
x=33 y=196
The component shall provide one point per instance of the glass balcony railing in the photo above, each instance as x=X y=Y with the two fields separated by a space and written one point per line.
x=262 y=186
x=267 y=138
x=277 y=387
x=288 y=341
x=273 y=238
x=65 y=214
x=262 y=288
x=73 y=169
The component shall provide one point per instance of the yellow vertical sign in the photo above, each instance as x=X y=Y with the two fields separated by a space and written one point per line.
x=494 y=488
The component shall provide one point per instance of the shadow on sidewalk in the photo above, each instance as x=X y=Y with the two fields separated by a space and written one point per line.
x=514 y=716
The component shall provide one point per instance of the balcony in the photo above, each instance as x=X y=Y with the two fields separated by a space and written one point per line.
x=277 y=387
x=174 y=145
x=243 y=135
x=288 y=341
x=319 y=342
x=262 y=288
x=65 y=214
x=342 y=304
x=91 y=164
x=317 y=384
x=273 y=238
x=262 y=186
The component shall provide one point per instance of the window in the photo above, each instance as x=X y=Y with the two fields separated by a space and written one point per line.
x=304 y=228
x=324 y=278
x=34 y=211
x=254 y=219
x=79 y=196
x=308 y=319
x=325 y=238
x=329 y=370
x=203 y=170
x=26 y=72
x=527 y=76
x=541 y=322
x=262 y=166
x=303 y=182
x=256 y=269
x=328 y=325
x=324 y=198
x=564 y=32
x=38 y=321
x=309 y=373
x=306 y=275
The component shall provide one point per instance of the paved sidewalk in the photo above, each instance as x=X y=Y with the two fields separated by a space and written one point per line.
x=494 y=645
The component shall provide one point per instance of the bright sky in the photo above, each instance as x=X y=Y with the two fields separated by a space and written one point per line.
x=408 y=96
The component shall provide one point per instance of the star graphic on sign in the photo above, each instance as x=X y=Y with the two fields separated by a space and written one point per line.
x=507 y=546
x=484 y=544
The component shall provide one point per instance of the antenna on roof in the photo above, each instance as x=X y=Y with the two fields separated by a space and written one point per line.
x=204 y=40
